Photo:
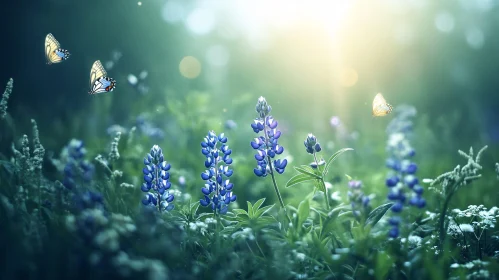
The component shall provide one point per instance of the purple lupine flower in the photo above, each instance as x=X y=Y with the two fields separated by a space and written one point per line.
x=358 y=200
x=156 y=181
x=77 y=170
x=267 y=144
x=217 y=190
x=402 y=180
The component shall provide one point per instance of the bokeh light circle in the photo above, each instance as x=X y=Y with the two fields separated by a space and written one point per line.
x=190 y=67
x=348 y=77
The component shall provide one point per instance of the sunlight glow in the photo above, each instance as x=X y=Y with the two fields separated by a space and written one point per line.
x=284 y=13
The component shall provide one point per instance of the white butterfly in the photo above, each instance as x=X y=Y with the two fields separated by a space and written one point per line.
x=380 y=106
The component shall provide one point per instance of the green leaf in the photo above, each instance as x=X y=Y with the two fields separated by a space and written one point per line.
x=250 y=209
x=332 y=158
x=267 y=220
x=263 y=210
x=205 y=215
x=303 y=211
x=307 y=170
x=297 y=179
x=258 y=204
x=383 y=265
x=240 y=212
x=377 y=214
x=194 y=208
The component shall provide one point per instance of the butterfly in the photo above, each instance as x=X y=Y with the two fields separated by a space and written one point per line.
x=99 y=82
x=53 y=51
x=380 y=106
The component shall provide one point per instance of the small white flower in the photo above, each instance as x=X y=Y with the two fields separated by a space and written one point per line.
x=335 y=196
x=415 y=240
x=300 y=256
x=193 y=226
x=466 y=228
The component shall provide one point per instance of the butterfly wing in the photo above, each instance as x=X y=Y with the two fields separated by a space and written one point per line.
x=380 y=106
x=103 y=84
x=98 y=80
x=96 y=72
x=53 y=51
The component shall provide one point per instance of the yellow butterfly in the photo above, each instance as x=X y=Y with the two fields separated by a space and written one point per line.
x=380 y=106
x=99 y=82
x=53 y=51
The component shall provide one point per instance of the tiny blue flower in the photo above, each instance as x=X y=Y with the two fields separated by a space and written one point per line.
x=411 y=180
x=394 y=221
x=394 y=232
x=392 y=181
x=397 y=207
x=411 y=168
x=280 y=165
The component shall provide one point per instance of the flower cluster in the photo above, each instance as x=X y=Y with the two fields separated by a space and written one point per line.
x=402 y=180
x=357 y=198
x=5 y=98
x=311 y=144
x=76 y=168
x=218 y=188
x=156 y=183
x=266 y=144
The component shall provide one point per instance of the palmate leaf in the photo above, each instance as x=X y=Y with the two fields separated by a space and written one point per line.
x=377 y=213
x=332 y=158
x=260 y=212
x=297 y=179
x=304 y=169
x=240 y=212
x=256 y=206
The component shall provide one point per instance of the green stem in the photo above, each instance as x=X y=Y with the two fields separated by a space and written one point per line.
x=328 y=206
x=441 y=223
x=272 y=175
x=275 y=183
x=277 y=190
x=259 y=248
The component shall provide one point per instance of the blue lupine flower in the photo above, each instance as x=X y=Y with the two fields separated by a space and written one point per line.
x=217 y=190
x=402 y=180
x=311 y=144
x=267 y=144
x=77 y=169
x=358 y=200
x=156 y=181
x=89 y=200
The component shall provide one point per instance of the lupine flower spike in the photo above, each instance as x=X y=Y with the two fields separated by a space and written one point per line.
x=402 y=180
x=156 y=177
x=77 y=167
x=358 y=200
x=217 y=190
x=267 y=145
